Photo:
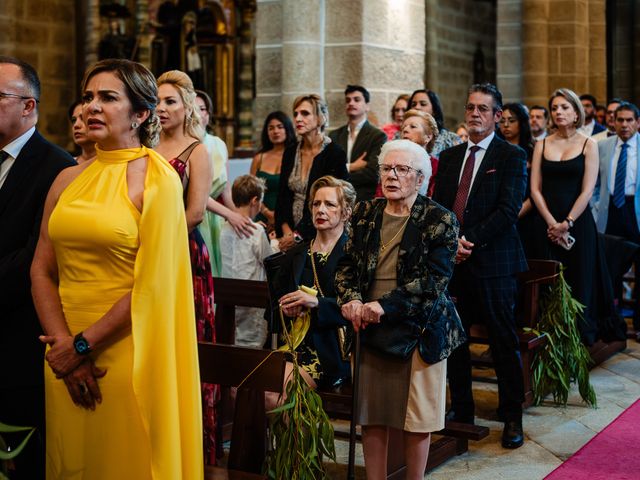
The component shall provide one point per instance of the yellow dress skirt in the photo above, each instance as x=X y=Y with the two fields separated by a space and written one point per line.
x=148 y=425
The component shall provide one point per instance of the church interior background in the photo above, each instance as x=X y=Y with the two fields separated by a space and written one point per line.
x=255 y=56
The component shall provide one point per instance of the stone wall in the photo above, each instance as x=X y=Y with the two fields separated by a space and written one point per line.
x=42 y=33
x=320 y=46
x=455 y=29
x=626 y=51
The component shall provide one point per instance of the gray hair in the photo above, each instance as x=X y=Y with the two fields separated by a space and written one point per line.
x=417 y=155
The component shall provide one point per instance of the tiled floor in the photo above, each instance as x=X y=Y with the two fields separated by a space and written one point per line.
x=552 y=433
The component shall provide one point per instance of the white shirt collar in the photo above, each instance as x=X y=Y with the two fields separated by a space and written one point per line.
x=15 y=147
x=483 y=144
x=630 y=142
x=358 y=126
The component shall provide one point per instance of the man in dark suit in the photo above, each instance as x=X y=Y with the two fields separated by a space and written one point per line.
x=28 y=166
x=591 y=126
x=483 y=182
x=362 y=142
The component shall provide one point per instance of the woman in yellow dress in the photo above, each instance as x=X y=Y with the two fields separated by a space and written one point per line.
x=112 y=286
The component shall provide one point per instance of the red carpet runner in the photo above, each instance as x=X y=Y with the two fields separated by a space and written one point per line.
x=613 y=454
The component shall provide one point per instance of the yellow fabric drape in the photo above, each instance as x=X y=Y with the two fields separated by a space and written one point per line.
x=166 y=378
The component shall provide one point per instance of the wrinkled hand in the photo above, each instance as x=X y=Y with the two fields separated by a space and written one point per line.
x=243 y=226
x=293 y=303
x=62 y=356
x=359 y=163
x=464 y=249
x=83 y=386
x=352 y=312
x=286 y=242
x=372 y=312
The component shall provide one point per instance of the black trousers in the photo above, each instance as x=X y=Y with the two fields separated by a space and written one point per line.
x=24 y=406
x=490 y=301
x=622 y=222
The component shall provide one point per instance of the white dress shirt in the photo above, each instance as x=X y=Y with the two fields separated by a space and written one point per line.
x=483 y=144
x=632 y=163
x=13 y=149
x=351 y=141
x=587 y=128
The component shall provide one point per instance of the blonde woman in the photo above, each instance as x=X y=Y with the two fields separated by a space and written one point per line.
x=421 y=128
x=180 y=143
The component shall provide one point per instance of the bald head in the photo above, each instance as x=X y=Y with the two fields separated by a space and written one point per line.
x=19 y=95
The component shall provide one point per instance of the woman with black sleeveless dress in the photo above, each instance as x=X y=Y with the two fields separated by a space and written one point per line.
x=563 y=175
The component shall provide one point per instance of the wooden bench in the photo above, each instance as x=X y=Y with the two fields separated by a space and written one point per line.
x=231 y=366
x=337 y=403
x=540 y=273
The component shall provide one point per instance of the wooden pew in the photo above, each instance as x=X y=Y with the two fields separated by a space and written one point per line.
x=258 y=371
x=541 y=273
x=337 y=403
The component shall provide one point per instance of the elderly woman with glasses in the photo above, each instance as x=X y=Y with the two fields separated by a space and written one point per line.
x=391 y=286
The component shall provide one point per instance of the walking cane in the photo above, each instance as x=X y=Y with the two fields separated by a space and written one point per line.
x=354 y=409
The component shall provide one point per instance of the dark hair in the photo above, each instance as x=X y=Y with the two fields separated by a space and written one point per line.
x=630 y=107
x=358 y=88
x=72 y=107
x=208 y=105
x=525 y=138
x=288 y=128
x=540 y=107
x=28 y=73
x=590 y=98
x=436 y=106
x=142 y=92
x=488 y=89
x=615 y=100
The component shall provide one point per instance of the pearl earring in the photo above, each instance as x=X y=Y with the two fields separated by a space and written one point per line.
x=134 y=125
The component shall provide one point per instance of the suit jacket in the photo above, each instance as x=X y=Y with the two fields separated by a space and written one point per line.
x=493 y=204
x=601 y=194
x=370 y=139
x=22 y=199
x=330 y=161
x=597 y=128
x=325 y=319
x=425 y=265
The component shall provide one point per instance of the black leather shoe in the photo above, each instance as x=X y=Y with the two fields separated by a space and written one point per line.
x=512 y=435
x=453 y=416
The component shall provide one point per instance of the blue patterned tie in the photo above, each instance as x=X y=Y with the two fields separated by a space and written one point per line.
x=621 y=175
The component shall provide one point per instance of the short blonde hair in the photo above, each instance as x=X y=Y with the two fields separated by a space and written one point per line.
x=573 y=99
x=346 y=192
x=429 y=123
x=320 y=108
x=183 y=84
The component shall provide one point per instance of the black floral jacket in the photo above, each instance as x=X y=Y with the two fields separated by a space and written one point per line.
x=425 y=264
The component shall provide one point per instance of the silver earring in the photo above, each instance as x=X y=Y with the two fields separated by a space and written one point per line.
x=134 y=125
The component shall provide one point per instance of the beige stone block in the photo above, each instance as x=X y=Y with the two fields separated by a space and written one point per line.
x=57 y=66
x=376 y=17
x=509 y=11
x=343 y=65
x=343 y=21
x=509 y=35
x=262 y=107
x=568 y=60
x=598 y=61
x=300 y=20
x=8 y=28
x=535 y=10
x=269 y=21
x=534 y=33
x=509 y=61
x=301 y=68
x=337 y=115
x=269 y=70
x=554 y=60
x=534 y=59
x=387 y=68
x=51 y=12
x=535 y=86
x=561 y=34
x=61 y=37
x=407 y=27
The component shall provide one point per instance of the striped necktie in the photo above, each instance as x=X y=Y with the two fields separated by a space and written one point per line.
x=621 y=176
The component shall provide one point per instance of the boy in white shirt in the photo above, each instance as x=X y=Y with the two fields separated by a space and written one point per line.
x=242 y=257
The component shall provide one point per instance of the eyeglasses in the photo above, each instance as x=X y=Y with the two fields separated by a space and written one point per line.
x=400 y=170
x=470 y=107
x=14 y=95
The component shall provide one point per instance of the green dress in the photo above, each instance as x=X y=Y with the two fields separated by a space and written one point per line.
x=271 y=195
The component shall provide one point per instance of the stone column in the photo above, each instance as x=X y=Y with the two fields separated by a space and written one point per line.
x=245 y=80
x=509 y=51
x=535 y=52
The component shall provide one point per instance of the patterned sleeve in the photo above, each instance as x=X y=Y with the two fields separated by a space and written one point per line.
x=348 y=271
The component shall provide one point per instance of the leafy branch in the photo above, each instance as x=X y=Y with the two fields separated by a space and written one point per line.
x=564 y=359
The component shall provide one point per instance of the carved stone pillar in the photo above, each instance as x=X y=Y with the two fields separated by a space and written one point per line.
x=246 y=79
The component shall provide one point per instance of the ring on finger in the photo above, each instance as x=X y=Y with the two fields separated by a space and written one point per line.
x=83 y=388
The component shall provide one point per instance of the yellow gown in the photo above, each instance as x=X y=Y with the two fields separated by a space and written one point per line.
x=149 y=424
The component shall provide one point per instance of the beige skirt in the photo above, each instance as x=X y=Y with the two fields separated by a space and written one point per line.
x=408 y=394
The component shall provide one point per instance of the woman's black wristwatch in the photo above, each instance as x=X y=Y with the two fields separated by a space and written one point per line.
x=81 y=345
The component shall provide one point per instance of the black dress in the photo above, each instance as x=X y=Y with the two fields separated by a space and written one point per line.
x=585 y=267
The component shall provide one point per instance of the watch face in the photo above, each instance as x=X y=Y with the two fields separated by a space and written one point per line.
x=81 y=346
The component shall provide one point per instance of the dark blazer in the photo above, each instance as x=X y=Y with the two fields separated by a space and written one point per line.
x=330 y=161
x=494 y=201
x=597 y=128
x=327 y=317
x=22 y=199
x=370 y=139
x=425 y=265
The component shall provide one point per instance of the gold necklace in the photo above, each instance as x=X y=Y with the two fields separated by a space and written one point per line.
x=384 y=245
